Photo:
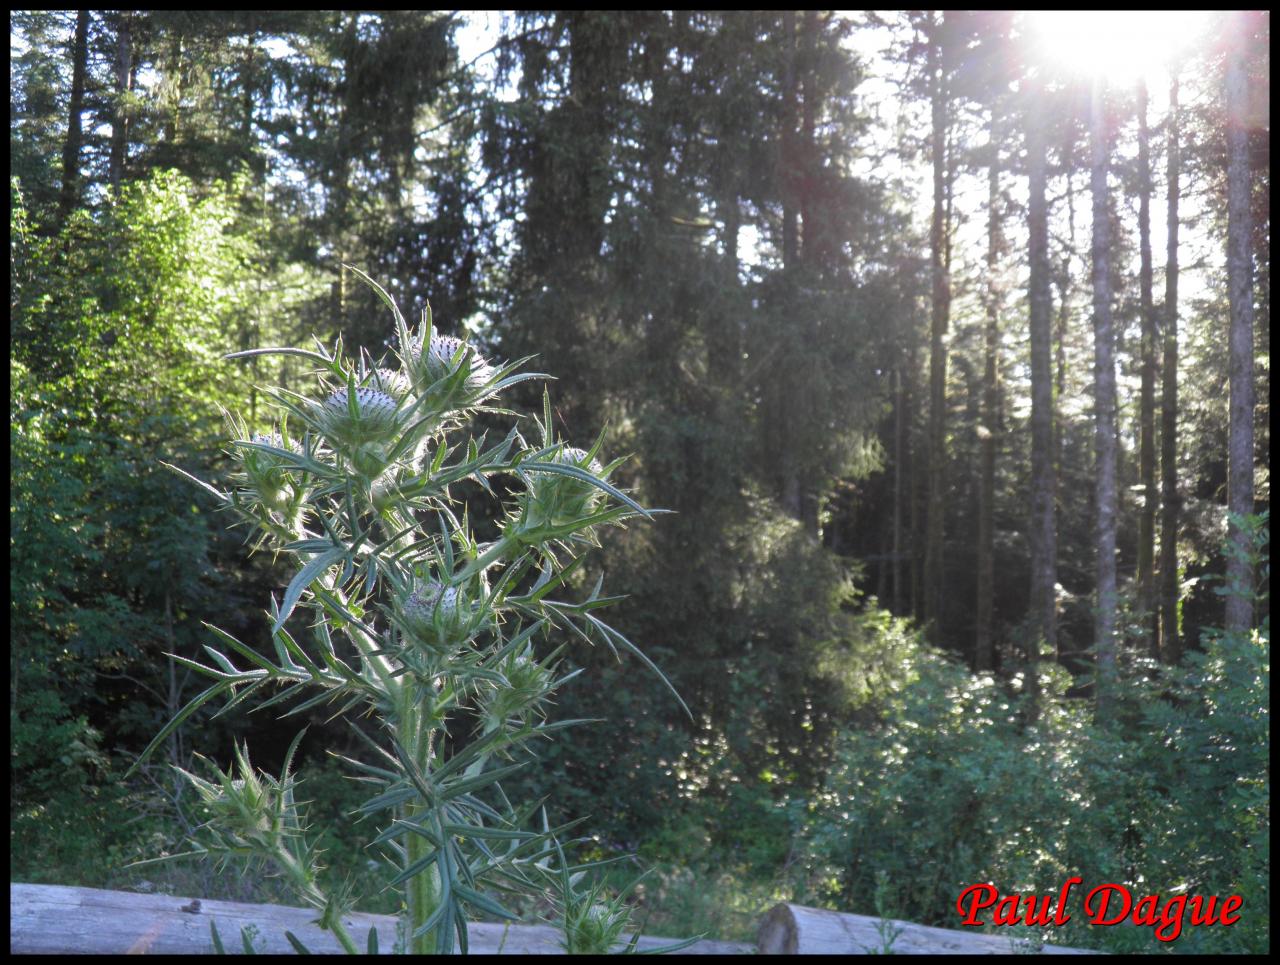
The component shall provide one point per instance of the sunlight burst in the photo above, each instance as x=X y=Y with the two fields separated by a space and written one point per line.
x=1120 y=45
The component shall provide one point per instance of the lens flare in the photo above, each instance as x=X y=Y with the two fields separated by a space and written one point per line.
x=1122 y=46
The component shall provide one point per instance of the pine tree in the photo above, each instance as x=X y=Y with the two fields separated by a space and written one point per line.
x=1043 y=524
x=935 y=507
x=1146 y=595
x=71 y=179
x=1239 y=608
x=1170 y=501
x=1104 y=383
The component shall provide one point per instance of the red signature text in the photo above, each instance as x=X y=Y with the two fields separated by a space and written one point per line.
x=1106 y=904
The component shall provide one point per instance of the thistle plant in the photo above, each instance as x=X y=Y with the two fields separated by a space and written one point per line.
x=399 y=611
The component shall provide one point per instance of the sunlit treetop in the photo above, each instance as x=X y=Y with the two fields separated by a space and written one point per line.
x=1121 y=46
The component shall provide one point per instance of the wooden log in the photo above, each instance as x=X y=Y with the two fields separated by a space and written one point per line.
x=61 y=920
x=796 y=930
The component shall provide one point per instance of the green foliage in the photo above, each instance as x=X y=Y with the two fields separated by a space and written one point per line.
x=950 y=788
x=116 y=320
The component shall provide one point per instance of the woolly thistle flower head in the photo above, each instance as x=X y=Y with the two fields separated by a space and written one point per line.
x=578 y=457
x=373 y=418
x=260 y=460
x=426 y=367
x=390 y=382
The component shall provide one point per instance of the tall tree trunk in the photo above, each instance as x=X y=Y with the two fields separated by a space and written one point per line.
x=1064 y=307
x=1104 y=382
x=991 y=420
x=70 y=192
x=120 y=112
x=1147 y=403
x=810 y=497
x=792 y=501
x=249 y=79
x=340 y=185
x=899 y=454
x=173 y=109
x=1043 y=529
x=916 y=485
x=934 y=508
x=1239 y=610
x=790 y=216
x=1170 y=645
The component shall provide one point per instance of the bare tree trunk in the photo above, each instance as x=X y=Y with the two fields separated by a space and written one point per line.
x=1170 y=644
x=1064 y=307
x=792 y=498
x=810 y=255
x=71 y=145
x=790 y=217
x=915 y=488
x=120 y=113
x=991 y=420
x=1239 y=615
x=934 y=509
x=173 y=109
x=1104 y=381
x=1147 y=404
x=899 y=453
x=1043 y=529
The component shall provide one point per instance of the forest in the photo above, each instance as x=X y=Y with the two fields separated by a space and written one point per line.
x=940 y=338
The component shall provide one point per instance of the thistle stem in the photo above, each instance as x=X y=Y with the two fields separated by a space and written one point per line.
x=302 y=881
x=422 y=891
x=486 y=559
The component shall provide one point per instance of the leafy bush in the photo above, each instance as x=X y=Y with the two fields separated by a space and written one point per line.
x=116 y=316
x=949 y=788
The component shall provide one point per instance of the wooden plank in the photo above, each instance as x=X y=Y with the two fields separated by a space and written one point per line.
x=61 y=920
x=796 y=930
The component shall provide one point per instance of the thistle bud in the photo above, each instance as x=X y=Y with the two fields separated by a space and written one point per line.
x=527 y=684
x=438 y=617
x=267 y=473
x=577 y=457
x=596 y=929
x=557 y=498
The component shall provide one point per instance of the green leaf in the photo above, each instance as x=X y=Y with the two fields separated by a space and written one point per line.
x=483 y=902
x=379 y=290
x=484 y=779
x=247 y=652
x=217 y=494
x=673 y=947
x=481 y=831
x=281 y=350
x=303 y=579
x=217 y=939
x=178 y=720
x=298 y=947
x=611 y=633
